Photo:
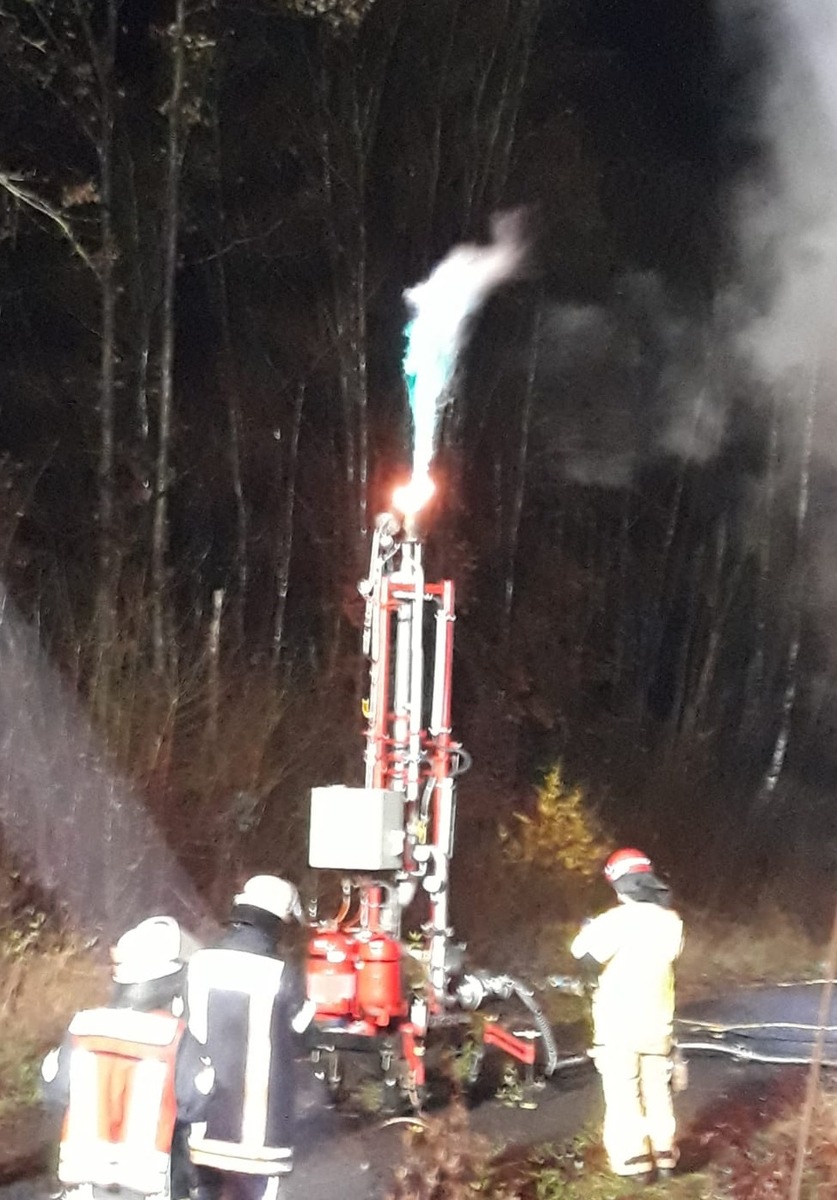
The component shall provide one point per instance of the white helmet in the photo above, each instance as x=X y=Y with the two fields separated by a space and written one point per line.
x=151 y=950
x=272 y=895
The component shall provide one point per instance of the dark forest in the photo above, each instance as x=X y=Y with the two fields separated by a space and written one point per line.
x=209 y=213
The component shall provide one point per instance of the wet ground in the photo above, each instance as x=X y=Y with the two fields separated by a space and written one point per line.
x=778 y=1022
x=351 y=1156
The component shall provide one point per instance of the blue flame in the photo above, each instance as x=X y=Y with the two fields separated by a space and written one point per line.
x=428 y=369
x=442 y=307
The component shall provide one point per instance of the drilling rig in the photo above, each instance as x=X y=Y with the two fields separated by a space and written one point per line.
x=392 y=843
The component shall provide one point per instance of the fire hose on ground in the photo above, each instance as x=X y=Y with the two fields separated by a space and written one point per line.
x=699 y=1036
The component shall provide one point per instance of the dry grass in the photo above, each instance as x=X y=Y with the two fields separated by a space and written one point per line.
x=751 y=1149
x=44 y=979
x=446 y=1160
x=720 y=954
x=745 y=1148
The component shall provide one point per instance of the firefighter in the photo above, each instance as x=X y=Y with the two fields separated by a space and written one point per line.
x=246 y=1003
x=630 y=952
x=127 y=1073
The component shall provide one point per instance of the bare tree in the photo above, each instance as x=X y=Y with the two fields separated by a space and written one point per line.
x=349 y=78
x=71 y=57
x=519 y=472
x=284 y=538
x=190 y=55
x=171 y=223
x=773 y=771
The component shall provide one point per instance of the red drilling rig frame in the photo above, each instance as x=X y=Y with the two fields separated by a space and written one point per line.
x=395 y=836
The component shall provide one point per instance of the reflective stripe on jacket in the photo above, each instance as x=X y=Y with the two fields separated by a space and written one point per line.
x=122 y=1106
x=243 y=1005
x=637 y=945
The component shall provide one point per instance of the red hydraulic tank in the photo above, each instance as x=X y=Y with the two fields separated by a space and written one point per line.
x=380 y=982
x=332 y=973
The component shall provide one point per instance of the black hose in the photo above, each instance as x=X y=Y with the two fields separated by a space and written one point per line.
x=464 y=763
x=526 y=997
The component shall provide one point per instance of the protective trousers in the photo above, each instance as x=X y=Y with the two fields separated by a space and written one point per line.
x=234 y=1185
x=639 y=1124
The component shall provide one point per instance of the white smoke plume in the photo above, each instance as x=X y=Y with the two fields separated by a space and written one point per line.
x=787 y=213
x=442 y=306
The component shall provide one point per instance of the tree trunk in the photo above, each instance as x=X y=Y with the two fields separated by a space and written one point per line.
x=284 y=541
x=162 y=474
x=519 y=480
x=213 y=652
x=773 y=771
x=105 y=622
x=717 y=609
x=229 y=379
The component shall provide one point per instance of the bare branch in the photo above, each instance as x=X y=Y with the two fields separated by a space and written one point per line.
x=12 y=185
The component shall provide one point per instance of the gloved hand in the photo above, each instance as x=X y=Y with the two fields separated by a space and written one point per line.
x=568 y=984
x=589 y=968
x=49 y=1067
x=205 y=1078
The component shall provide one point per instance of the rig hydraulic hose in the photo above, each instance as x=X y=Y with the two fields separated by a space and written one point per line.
x=527 y=998
x=477 y=987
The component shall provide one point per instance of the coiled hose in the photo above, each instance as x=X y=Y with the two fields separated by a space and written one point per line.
x=475 y=988
x=527 y=997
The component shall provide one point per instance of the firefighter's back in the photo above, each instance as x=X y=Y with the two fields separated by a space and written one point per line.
x=119 y=1121
x=634 y=1002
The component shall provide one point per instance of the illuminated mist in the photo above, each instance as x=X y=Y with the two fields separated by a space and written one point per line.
x=442 y=306
x=77 y=829
x=788 y=215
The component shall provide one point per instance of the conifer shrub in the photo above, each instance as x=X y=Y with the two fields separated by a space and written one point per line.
x=562 y=835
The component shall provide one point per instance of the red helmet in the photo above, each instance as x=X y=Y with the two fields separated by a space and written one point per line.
x=627 y=862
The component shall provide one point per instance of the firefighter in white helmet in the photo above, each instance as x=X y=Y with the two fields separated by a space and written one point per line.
x=246 y=1004
x=128 y=1073
x=631 y=950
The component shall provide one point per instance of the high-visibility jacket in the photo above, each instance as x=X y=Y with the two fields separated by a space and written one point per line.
x=637 y=945
x=245 y=1005
x=122 y=1107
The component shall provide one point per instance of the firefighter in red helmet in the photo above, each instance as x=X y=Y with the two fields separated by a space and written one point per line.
x=631 y=949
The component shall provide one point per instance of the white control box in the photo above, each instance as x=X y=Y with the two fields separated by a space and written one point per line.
x=356 y=829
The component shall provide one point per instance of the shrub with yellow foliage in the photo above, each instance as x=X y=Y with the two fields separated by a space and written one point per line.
x=563 y=833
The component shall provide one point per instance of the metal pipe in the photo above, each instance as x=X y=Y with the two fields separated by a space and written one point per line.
x=379 y=687
x=416 y=701
x=401 y=692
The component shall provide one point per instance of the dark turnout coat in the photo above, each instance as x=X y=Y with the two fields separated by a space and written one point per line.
x=246 y=1006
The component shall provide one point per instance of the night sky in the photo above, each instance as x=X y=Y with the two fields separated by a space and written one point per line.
x=632 y=453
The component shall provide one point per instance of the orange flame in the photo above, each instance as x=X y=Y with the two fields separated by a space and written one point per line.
x=412 y=496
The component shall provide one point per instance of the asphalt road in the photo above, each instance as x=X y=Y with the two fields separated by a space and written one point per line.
x=776 y=1022
x=352 y=1156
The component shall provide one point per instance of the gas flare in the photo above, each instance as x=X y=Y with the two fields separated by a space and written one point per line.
x=412 y=496
x=442 y=307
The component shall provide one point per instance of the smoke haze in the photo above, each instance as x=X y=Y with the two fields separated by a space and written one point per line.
x=627 y=382
x=787 y=212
